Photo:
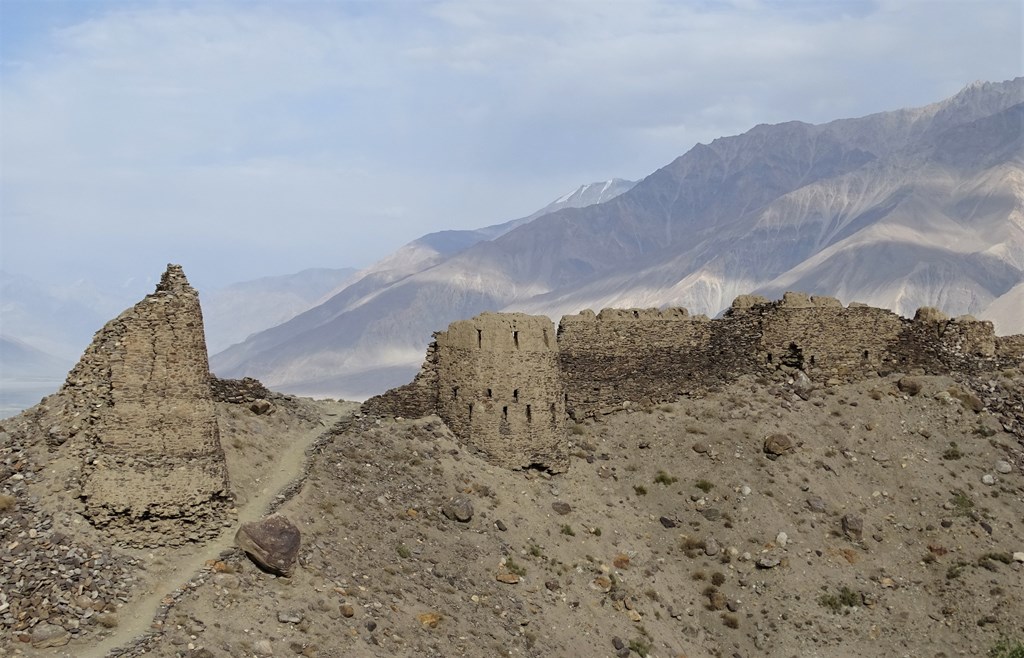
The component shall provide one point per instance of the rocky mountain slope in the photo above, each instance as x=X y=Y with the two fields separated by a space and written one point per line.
x=900 y=209
x=370 y=335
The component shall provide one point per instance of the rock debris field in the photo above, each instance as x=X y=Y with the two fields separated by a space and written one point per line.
x=772 y=517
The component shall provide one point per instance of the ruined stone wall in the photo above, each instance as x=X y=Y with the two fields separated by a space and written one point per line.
x=824 y=339
x=499 y=389
x=503 y=383
x=416 y=399
x=140 y=402
x=636 y=355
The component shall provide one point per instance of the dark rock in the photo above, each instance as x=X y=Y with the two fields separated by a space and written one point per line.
x=458 y=509
x=816 y=504
x=370 y=625
x=552 y=585
x=561 y=508
x=711 y=513
x=853 y=527
x=272 y=543
x=667 y=522
x=618 y=643
x=500 y=525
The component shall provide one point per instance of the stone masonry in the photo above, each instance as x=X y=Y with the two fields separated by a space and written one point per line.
x=503 y=386
x=138 y=405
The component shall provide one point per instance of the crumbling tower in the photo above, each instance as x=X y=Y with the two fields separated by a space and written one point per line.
x=499 y=388
x=138 y=404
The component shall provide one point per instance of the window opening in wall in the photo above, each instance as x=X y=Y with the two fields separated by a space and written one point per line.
x=455 y=392
x=504 y=413
x=515 y=338
x=865 y=355
x=489 y=394
x=546 y=344
x=554 y=413
x=812 y=359
x=479 y=337
x=471 y=412
x=769 y=357
x=566 y=398
x=636 y=314
x=515 y=395
x=529 y=414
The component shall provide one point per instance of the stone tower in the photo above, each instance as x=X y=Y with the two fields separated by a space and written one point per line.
x=139 y=400
x=499 y=389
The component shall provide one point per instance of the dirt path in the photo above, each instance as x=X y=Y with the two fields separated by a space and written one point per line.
x=169 y=572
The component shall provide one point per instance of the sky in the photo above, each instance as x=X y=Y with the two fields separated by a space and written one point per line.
x=245 y=139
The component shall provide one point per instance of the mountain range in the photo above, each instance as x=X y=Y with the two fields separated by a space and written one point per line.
x=901 y=209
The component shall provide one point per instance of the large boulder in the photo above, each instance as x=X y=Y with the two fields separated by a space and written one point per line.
x=272 y=543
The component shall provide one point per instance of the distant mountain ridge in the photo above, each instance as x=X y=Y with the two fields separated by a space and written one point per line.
x=901 y=209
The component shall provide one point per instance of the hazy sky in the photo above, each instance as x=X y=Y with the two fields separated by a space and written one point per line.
x=244 y=139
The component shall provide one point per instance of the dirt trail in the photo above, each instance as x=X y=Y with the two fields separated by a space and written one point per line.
x=136 y=617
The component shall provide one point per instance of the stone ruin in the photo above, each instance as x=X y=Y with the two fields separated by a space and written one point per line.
x=506 y=386
x=138 y=410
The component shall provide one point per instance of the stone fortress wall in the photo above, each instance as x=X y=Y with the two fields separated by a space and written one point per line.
x=483 y=374
x=138 y=405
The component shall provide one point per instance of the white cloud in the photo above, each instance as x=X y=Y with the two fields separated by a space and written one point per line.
x=270 y=137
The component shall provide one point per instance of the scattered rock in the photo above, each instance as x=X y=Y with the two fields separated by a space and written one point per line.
x=816 y=504
x=347 y=610
x=500 y=525
x=782 y=539
x=429 y=619
x=711 y=513
x=272 y=543
x=459 y=509
x=768 y=562
x=988 y=479
x=776 y=445
x=1003 y=467
x=561 y=507
x=289 y=617
x=49 y=635
x=853 y=527
x=711 y=547
x=701 y=448
x=260 y=407
x=910 y=385
x=507 y=577
x=667 y=522
x=1018 y=556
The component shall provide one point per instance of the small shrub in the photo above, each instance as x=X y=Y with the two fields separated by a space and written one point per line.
x=596 y=532
x=567 y=530
x=535 y=550
x=731 y=621
x=698 y=575
x=404 y=552
x=512 y=567
x=704 y=485
x=640 y=489
x=962 y=504
x=718 y=578
x=640 y=647
x=952 y=452
x=955 y=570
x=1007 y=648
x=846 y=598
x=6 y=502
x=664 y=478
x=577 y=429
x=652 y=595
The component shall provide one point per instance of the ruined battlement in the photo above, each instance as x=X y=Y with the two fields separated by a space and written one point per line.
x=507 y=383
x=139 y=407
